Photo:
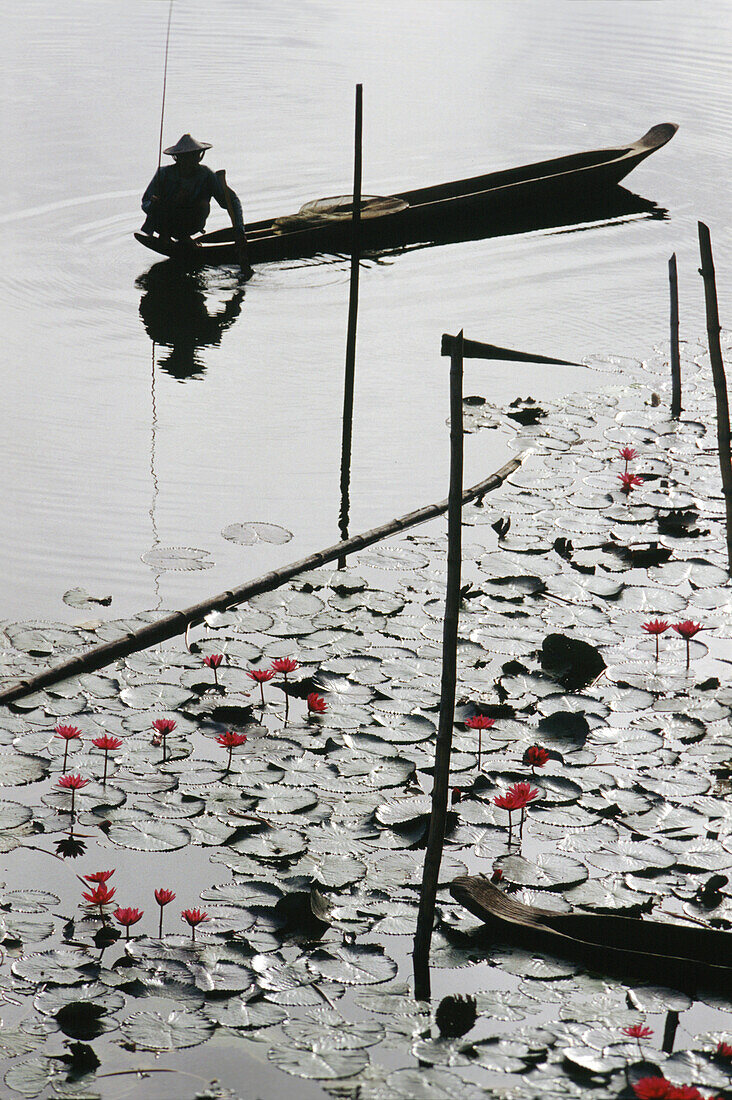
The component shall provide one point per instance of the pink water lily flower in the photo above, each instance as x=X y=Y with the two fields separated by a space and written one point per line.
x=128 y=917
x=688 y=629
x=213 y=661
x=66 y=734
x=194 y=917
x=107 y=744
x=655 y=627
x=628 y=482
x=480 y=722
x=231 y=741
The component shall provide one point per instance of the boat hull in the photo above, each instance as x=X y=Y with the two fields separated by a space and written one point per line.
x=461 y=210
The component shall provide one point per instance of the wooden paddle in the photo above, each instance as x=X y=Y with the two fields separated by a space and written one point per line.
x=244 y=264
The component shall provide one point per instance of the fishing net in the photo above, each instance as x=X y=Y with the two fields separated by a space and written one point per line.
x=338 y=208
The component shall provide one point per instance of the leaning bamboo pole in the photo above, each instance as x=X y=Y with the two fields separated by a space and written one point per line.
x=441 y=782
x=169 y=626
x=718 y=377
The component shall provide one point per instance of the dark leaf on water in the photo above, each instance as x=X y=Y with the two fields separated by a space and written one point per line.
x=572 y=662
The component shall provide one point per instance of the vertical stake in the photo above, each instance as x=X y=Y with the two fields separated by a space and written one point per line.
x=718 y=376
x=351 y=331
x=440 y=786
x=675 y=357
x=669 y=1031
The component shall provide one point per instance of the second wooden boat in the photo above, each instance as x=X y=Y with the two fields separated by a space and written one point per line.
x=461 y=210
x=678 y=955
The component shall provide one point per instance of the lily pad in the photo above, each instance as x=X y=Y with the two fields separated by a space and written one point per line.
x=247 y=534
x=176 y=1031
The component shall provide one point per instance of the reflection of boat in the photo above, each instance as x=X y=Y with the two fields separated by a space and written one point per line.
x=562 y=191
x=672 y=954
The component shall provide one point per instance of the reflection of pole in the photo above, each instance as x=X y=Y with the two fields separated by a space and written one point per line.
x=351 y=332
x=675 y=357
x=718 y=376
x=153 y=472
x=436 y=836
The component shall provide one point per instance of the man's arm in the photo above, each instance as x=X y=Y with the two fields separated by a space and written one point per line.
x=229 y=200
x=152 y=192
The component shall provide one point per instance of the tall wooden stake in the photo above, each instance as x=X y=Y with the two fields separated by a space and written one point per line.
x=718 y=376
x=675 y=357
x=440 y=786
x=352 y=318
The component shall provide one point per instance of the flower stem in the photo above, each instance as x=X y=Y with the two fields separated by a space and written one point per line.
x=104 y=777
x=66 y=753
x=160 y=928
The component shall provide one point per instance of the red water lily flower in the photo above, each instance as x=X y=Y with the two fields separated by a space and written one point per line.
x=285 y=665
x=628 y=482
x=72 y=783
x=685 y=1092
x=163 y=726
x=101 y=895
x=213 y=661
x=638 y=1031
x=724 y=1051
x=260 y=676
x=480 y=722
x=652 y=1088
x=688 y=629
x=523 y=793
x=535 y=756
x=316 y=704
x=107 y=744
x=163 y=897
x=66 y=734
x=231 y=741
x=194 y=917
x=628 y=453
x=99 y=876
x=655 y=627
x=508 y=802
x=128 y=917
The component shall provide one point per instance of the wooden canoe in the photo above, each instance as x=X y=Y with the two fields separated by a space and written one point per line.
x=675 y=955
x=512 y=200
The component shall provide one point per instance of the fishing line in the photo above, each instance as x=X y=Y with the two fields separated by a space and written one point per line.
x=165 y=82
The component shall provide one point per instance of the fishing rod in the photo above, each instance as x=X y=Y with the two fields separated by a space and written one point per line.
x=165 y=82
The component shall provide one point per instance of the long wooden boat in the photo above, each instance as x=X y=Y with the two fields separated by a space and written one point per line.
x=681 y=956
x=462 y=210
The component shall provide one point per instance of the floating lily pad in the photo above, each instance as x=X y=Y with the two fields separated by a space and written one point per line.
x=547 y=872
x=247 y=534
x=177 y=558
x=176 y=1031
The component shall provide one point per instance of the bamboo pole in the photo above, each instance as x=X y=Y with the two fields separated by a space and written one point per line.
x=349 y=384
x=675 y=357
x=438 y=816
x=169 y=626
x=718 y=376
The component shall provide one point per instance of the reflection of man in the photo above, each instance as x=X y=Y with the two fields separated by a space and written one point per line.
x=177 y=201
x=173 y=310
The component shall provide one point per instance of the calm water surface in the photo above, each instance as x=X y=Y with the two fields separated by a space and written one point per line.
x=105 y=458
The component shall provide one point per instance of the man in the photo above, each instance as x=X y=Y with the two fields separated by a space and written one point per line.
x=178 y=198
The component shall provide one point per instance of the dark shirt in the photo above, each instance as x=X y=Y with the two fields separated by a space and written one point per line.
x=195 y=191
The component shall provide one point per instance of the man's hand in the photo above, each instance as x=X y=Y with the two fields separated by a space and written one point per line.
x=242 y=256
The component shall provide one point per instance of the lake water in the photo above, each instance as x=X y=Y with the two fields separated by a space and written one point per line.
x=105 y=458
